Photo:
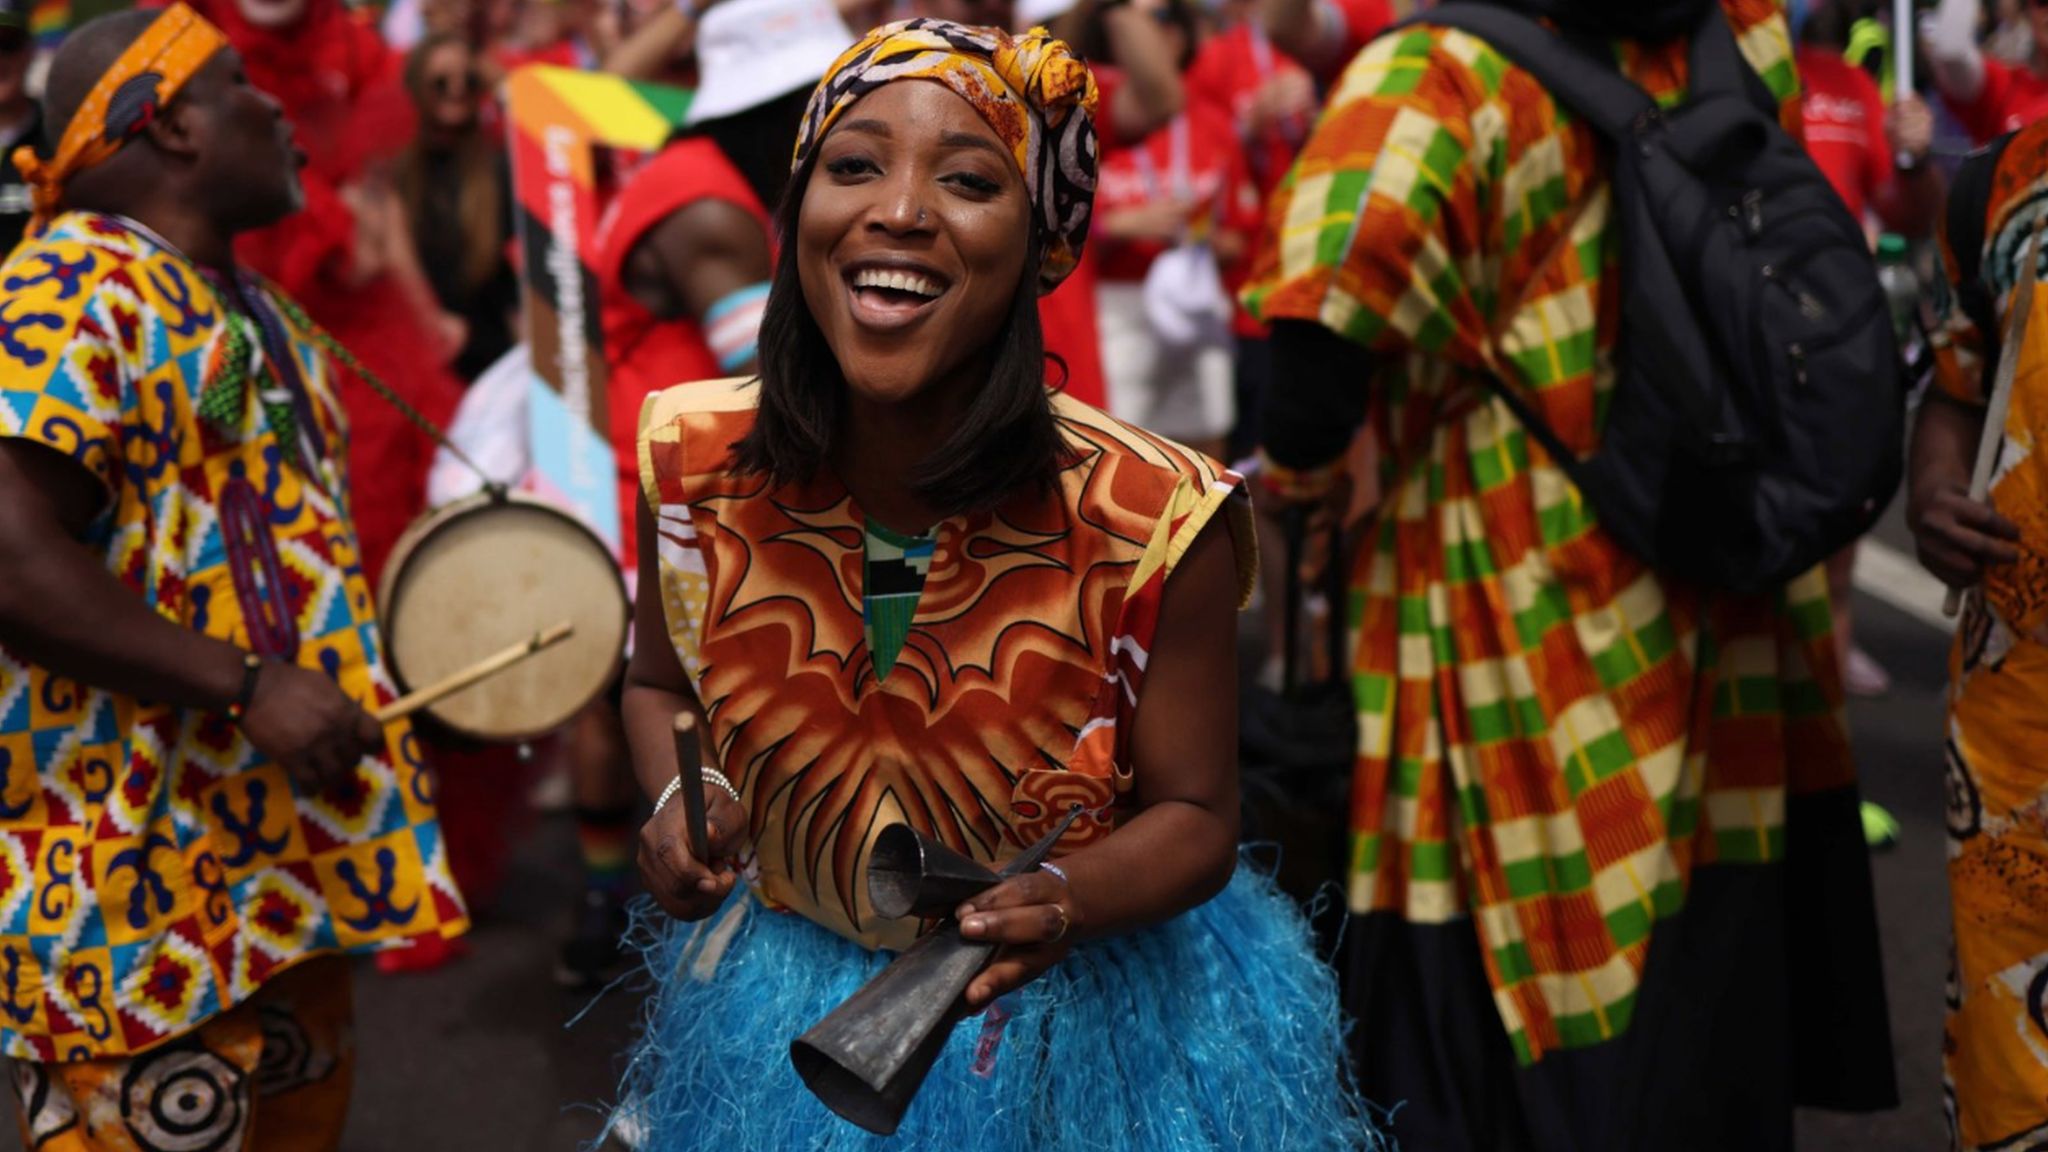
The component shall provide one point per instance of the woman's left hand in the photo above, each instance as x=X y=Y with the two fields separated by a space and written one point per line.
x=1034 y=917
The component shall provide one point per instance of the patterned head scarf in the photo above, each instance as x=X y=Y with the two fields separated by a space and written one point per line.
x=176 y=45
x=1032 y=90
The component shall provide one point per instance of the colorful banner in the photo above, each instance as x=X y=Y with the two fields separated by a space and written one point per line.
x=576 y=137
x=48 y=20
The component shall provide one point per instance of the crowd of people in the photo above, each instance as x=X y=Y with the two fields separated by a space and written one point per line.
x=965 y=378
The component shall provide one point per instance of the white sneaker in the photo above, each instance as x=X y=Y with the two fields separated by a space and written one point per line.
x=1863 y=676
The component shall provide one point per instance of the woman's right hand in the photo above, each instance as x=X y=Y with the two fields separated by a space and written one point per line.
x=685 y=887
x=1958 y=538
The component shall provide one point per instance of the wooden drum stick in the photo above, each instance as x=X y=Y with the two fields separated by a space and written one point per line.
x=483 y=669
x=2000 y=400
x=690 y=775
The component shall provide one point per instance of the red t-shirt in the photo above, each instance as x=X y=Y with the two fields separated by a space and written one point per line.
x=644 y=353
x=2012 y=98
x=1843 y=115
x=1213 y=172
x=1228 y=73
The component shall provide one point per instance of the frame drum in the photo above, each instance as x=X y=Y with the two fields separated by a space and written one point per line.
x=483 y=573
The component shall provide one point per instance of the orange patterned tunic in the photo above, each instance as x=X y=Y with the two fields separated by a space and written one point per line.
x=1014 y=693
x=1995 y=1051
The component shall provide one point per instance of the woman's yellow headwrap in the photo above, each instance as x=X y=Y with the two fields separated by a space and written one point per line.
x=1037 y=95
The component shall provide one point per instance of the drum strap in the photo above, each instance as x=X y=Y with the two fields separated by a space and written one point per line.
x=347 y=359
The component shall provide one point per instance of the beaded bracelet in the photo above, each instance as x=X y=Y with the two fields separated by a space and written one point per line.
x=709 y=775
x=252 y=664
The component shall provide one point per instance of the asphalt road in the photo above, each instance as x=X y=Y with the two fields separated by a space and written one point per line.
x=482 y=1055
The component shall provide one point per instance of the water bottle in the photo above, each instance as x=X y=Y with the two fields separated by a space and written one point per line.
x=1901 y=287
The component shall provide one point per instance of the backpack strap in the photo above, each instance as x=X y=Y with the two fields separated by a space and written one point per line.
x=1969 y=202
x=1716 y=65
x=1585 y=81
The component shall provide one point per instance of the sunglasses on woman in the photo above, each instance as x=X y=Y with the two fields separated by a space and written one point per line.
x=449 y=85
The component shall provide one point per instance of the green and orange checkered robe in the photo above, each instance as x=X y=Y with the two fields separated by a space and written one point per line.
x=1552 y=736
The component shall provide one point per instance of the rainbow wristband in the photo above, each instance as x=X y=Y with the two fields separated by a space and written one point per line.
x=732 y=326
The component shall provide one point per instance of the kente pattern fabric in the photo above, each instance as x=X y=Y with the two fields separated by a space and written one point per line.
x=143 y=79
x=155 y=870
x=1995 y=1058
x=287 y=1054
x=1032 y=90
x=895 y=570
x=1552 y=737
x=1012 y=698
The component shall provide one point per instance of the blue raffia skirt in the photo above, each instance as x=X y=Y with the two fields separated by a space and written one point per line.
x=1218 y=1030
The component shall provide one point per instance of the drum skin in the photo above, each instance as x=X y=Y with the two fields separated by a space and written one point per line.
x=484 y=573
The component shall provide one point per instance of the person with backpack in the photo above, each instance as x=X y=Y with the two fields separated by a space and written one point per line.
x=1979 y=512
x=1630 y=378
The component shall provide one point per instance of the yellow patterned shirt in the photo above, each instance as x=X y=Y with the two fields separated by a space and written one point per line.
x=155 y=870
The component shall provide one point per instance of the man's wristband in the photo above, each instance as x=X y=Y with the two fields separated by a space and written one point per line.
x=252 y=668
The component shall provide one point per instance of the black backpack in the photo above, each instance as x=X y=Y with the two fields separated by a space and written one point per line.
x=1758 y=414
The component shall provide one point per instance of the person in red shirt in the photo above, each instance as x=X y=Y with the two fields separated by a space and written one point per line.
x=1873 y=156
x=1990 y=97
x=1188 y=181
x=1270 y=98
x=1139 y=89
x=1324 y=34
x=1272 y=102
x=684 y=258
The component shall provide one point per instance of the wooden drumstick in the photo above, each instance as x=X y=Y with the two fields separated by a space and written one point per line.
x=690 y=777
x=1993 y=436
x=483 y=669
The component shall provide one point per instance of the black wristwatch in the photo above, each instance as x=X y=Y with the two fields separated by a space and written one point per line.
x=252 y=667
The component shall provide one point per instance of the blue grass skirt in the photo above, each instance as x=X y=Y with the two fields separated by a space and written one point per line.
x=1218 y=1030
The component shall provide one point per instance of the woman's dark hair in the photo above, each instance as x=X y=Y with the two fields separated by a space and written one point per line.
x=1008 y=441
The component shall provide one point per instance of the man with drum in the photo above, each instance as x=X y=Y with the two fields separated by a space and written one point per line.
x=197 y=814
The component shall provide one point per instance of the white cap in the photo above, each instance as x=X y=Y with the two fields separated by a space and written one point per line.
x=1032 y=13
x=751 y=51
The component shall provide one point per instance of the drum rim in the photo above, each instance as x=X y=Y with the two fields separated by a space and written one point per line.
x=389 y=582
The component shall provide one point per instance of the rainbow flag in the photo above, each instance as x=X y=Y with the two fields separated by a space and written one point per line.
x=576 y=138
x=48 y=21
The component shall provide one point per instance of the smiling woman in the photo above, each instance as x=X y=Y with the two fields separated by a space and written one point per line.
x=908 y=299
x=900 y=582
